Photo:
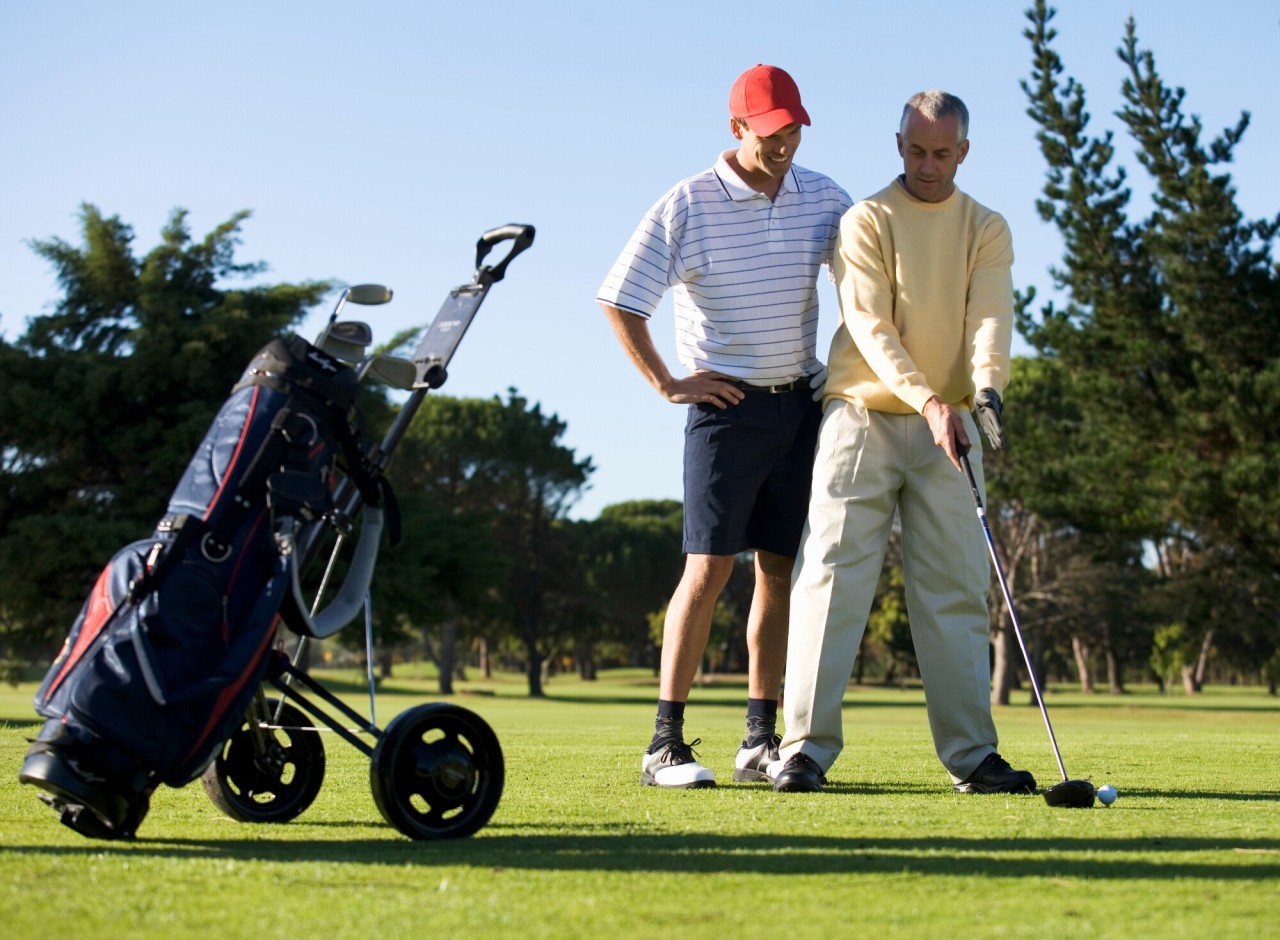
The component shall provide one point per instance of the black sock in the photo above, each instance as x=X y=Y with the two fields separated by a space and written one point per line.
x=669 y=723
x=762 y=720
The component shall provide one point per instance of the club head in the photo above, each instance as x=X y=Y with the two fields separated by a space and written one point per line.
x=353 y=331
x=347 y=340
x=366 y=294
x=369 y=295
x=1074 y=794
x=391 y=370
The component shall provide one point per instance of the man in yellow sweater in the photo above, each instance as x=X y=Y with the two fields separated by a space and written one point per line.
x=926 y=307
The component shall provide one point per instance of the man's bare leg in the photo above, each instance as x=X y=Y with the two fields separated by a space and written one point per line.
x=767 y=625
x=688 y=623
x=669 y=761
x=767 y=651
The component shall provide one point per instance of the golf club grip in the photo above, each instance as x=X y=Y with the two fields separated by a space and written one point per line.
x=973 y=483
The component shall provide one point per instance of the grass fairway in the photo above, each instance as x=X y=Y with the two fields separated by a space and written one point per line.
x=578 y=849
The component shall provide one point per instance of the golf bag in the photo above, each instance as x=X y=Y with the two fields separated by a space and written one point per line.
x=173 y=640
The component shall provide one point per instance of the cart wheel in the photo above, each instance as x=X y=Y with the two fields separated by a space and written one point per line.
x=271 y=787
x=437 y=772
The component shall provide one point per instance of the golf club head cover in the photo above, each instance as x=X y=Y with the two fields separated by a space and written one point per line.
x=989 y=408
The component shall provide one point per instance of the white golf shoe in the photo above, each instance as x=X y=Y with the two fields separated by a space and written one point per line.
x=754 y=763
x=674 y=765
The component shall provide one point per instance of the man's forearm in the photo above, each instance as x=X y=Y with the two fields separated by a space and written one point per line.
x=702 y=387
x=632 y=331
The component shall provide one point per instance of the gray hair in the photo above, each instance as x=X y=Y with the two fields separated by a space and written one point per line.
x=936 y=105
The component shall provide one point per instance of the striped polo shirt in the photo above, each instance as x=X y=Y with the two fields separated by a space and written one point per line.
x=744 y=270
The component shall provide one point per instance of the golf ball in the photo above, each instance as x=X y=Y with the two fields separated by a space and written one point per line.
x=1107 y=794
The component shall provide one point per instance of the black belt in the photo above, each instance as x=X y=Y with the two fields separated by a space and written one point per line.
x=792 y=386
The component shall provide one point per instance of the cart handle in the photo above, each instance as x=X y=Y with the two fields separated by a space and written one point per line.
x=523 y=235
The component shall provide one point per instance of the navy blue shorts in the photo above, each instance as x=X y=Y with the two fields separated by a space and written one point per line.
x=747 y=470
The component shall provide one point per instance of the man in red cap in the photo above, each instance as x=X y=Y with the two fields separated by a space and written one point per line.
x=740 y=245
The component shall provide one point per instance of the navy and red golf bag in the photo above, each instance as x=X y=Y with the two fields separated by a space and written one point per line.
x=173 y=641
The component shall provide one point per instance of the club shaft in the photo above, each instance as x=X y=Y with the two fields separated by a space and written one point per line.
x=368 y=659
x=1013 y=613
x=333 y=317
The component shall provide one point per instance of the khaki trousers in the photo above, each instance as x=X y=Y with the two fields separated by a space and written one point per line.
x=868 y=465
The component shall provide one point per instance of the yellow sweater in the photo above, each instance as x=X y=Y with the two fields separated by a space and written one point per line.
x=926 y=302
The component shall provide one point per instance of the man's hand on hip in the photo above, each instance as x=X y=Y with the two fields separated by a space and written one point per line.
x=703 y=388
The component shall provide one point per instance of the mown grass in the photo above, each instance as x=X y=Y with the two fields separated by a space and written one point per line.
x=578 y=848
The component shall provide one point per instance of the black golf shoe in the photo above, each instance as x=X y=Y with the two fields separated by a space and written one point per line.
x=994 y=775
x=800 y=774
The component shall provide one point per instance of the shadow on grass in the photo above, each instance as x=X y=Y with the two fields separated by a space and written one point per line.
x=1257 y=797
x=622 y=848
x=649 y=696
x=884 y=696
x=850 y=788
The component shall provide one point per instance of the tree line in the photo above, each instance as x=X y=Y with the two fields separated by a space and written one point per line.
x=1136 y=509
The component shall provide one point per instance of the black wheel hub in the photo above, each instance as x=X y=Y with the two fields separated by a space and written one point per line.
x=447 y=770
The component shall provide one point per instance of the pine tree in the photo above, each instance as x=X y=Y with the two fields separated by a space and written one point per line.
x=105 y=399
x=1171 y=339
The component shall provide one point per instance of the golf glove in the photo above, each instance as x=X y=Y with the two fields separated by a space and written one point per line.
x=818 y=382
x=988 y=406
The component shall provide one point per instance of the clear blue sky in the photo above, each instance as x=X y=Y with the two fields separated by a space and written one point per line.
x=375 y=141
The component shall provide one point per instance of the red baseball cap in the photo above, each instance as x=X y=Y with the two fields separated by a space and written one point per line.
x=767 y=98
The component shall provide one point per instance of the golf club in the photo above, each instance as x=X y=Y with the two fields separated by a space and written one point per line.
x=368 y=295
x=390 y=370
x=1071 y=793
x=347 y=340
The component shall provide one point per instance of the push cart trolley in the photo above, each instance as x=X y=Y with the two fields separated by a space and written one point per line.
x=436 y=770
